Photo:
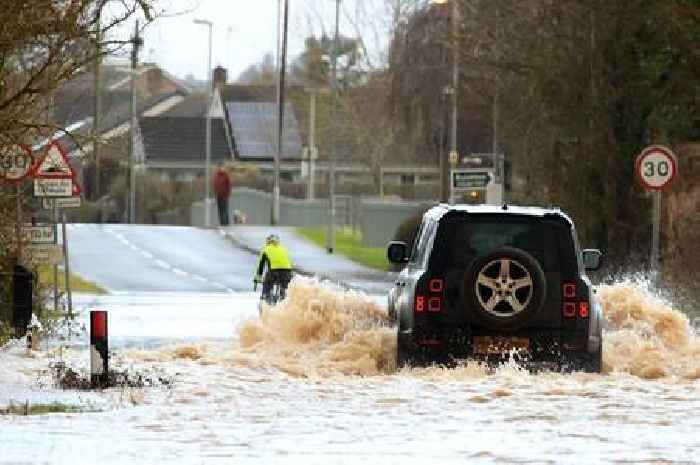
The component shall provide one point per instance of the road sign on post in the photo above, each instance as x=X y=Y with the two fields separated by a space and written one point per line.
x=54 y=164
x=53 y=187
x=15 y=162
x=468 y=179
x=657 y=169
x=61 y=202
x=39 y=234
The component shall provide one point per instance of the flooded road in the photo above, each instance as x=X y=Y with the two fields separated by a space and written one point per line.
x=312 y=383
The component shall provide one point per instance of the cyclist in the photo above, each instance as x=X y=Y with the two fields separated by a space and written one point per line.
x=275 y=256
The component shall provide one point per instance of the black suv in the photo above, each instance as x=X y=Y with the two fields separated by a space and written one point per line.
x=490 y=283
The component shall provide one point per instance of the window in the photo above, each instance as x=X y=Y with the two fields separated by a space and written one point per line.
x=462 y=239
x=422 y=242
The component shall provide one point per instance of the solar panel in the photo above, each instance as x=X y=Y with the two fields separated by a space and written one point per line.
x=254 y=129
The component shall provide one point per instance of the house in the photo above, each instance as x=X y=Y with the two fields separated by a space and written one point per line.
x=74 y=112
x=244 y=128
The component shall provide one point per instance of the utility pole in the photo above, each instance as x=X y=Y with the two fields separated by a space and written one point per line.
x=136 y=44
x=280 y=116
x=207 y=137
x=98 y=104
x=451 y=157
x=330 y=239
x=453 y=95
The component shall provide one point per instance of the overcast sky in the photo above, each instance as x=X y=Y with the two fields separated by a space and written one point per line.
x=244 y=30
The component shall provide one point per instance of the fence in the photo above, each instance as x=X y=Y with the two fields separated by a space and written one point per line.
x=377 y=220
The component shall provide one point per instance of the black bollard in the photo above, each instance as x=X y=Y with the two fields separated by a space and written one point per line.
x=99 y=349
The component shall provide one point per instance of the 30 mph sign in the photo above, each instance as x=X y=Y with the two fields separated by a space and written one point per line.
x=15 y=162
x=656 y=167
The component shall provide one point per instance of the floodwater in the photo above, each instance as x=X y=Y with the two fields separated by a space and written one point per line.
x=312 y=382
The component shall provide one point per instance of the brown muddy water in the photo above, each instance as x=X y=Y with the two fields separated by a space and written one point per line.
x=312 y=382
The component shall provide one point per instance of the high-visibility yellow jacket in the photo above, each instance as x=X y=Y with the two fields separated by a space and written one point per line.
x=275 y=257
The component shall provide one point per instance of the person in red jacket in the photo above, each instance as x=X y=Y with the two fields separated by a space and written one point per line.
x=222 y=190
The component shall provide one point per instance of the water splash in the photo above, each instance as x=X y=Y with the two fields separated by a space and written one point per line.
x=645 y=336
x=320 y=329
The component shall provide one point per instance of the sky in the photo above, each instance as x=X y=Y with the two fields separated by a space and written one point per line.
x=243 y=31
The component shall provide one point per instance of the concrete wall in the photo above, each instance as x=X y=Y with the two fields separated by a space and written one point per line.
x=378 y=220
x=257 y=208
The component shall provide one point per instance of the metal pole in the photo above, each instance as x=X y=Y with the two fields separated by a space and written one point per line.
x=66 y=264
x=98 y=106
x=135 y=45
x=55 y=267
x=207 y=183
x=207 y=136
x=312 y=146
x=330 y=239
x=19 y=223
x=498 y=159
x=655 y=236
x=280 y=116
x=278 y=149
x=455 y=83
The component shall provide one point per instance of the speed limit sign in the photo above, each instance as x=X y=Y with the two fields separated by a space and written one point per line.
x=656 y=167
x=15 y=162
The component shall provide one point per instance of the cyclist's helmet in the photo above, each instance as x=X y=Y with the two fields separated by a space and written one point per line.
x=272 y=238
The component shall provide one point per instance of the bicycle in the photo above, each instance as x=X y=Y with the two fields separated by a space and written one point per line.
x=276 y=294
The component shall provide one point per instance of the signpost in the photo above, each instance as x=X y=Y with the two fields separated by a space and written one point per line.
x=54 y=180
x=657 y=169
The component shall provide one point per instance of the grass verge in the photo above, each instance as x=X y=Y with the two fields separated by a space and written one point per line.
x=350 y=245
x=77 y=284
x=39 y=409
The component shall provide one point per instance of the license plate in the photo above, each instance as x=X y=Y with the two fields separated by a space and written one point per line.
x=486 y=345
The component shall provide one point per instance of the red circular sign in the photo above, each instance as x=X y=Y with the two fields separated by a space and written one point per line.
x=656 y=167
x=16 y=162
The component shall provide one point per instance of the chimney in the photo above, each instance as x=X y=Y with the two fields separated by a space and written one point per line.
x=220 y=76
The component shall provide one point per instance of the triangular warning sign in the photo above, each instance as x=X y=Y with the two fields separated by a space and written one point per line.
x=54 y=164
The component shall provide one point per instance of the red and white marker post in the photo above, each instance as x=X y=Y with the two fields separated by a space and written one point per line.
x=99 y=349
x=657 y=169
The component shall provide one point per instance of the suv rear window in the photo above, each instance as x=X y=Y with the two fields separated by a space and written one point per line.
x=463 y=238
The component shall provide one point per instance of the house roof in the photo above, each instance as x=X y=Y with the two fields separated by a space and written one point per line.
x=192 y=105
x=254 y=130
x=251 y=112
x=182 y=139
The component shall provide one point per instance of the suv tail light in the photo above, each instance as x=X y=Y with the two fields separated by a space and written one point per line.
x=430 y=301
x=568 y=290
x=572 y=306
x=583 y=309
x=569 y=309
x=436 y=285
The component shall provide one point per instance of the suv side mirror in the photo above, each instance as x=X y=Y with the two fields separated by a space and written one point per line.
x=591 y=259
x=397 y=252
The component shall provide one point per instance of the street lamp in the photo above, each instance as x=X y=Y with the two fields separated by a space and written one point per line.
x=452 y=91
x=207 y=181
